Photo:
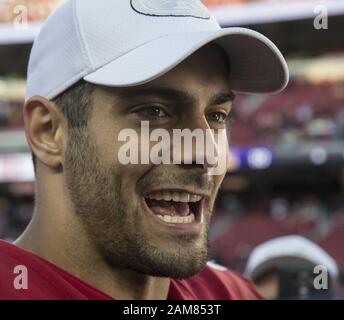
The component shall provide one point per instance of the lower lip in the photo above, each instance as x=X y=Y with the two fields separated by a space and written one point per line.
x=194 y=227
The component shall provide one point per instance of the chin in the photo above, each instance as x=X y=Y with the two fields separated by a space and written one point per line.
x=177 y=265
x=175 y=273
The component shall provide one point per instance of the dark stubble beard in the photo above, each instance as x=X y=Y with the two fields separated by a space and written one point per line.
x=98 y=198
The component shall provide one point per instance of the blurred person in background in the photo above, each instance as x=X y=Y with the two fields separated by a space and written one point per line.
x=285 y=268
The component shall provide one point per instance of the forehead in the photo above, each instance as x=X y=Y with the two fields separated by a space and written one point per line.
x=205 y=71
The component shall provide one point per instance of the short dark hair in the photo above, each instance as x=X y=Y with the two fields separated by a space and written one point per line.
x=75 y=104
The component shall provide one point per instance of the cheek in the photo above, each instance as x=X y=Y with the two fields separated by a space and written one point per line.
x=218 y=179
x=119 y=145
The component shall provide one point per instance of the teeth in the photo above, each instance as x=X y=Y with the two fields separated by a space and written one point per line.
x=185 y=197
x=167 y=196
x=159 y=196
x=175 y=196
x=177 y=219
x=194 y=198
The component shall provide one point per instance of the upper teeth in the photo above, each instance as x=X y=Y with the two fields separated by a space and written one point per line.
x=175 y=196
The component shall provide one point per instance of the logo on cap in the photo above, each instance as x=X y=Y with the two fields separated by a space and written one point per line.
x=171 y=8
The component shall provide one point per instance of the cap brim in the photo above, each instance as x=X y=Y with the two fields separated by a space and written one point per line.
x=256 y=63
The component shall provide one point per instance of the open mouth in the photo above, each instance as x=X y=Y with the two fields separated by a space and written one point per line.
x=175 y=207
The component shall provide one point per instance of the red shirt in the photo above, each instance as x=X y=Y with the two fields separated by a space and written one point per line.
x=49 y=282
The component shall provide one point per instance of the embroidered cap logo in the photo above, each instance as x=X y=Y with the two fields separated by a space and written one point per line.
x=171 y=8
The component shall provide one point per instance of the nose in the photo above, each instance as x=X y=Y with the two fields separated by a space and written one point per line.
x=197 y=146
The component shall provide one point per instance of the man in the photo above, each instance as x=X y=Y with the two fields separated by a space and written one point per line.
x=102 y=229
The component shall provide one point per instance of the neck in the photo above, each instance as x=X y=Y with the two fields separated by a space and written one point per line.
x=74 y=253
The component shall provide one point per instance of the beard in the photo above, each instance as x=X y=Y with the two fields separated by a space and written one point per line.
x=112 y=221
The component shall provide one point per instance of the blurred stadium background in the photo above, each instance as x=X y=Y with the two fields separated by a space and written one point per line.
x=287 y=172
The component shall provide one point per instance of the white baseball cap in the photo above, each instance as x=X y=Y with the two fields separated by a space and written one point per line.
x=122 y=43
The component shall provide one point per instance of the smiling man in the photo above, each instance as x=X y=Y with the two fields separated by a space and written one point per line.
x=102 y=229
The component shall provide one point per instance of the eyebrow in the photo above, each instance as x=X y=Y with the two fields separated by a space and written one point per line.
x=173 y=94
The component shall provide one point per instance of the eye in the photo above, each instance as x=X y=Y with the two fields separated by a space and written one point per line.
x=153 y=112
x=218 y=117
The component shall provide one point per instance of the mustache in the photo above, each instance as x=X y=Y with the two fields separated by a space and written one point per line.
x=202 y=182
